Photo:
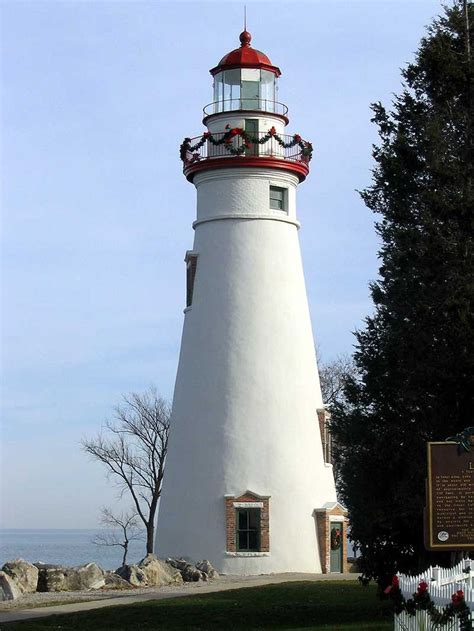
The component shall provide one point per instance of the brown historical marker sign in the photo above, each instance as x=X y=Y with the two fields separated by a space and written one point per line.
x=450 y=498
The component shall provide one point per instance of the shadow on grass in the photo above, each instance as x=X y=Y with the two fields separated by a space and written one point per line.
x=307 y=605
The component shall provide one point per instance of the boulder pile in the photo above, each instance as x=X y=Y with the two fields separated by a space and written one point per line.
x=202 y=571
x=20 y=577
x=56 y=578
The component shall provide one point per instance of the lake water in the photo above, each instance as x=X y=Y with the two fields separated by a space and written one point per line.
x=67 y=547
x=64 y=547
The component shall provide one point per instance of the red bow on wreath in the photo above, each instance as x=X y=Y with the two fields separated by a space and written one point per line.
x=335 y=538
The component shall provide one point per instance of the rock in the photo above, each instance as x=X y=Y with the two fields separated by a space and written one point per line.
x=206 y=567
x=133 y=574
x=85 y=577
x=56 y=578
x=9 y=590
x=23 y=573
x=158 y=572
x=114 y=581
x=51 y=578
x=189 y=572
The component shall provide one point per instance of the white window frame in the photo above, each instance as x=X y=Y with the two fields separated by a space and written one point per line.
x=284 y=200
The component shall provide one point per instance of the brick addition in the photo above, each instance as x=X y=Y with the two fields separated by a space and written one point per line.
x=231 y=520
x=323 y=523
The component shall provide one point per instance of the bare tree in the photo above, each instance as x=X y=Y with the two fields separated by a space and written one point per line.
x=333 y=376
x=127 y=523
x=133 y=449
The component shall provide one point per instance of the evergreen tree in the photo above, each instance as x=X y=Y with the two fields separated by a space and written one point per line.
x=415 y=356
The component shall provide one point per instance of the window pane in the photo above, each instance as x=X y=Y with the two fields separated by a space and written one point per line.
x=267 y=89
x=254 y=518
x=253 y=540
x=248 y=529
x=219 y=87
x=242 y=523
x=242 y=540
x=231 y=86
x=277 y=198
x=276 y=193
x=250 y=100
x=250 y=74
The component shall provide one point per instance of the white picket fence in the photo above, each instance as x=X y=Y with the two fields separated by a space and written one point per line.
x=442 y=584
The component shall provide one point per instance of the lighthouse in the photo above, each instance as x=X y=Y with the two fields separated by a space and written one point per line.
x=247 y=483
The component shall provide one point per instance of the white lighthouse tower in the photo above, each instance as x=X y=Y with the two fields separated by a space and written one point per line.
x=246 y=483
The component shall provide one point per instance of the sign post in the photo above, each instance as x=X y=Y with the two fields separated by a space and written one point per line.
x=449 y=523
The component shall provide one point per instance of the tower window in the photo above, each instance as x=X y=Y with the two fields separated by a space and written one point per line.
x=278 y=198
x=247 y=524
x=248 y=529
x=326 y=439
x=191 y=264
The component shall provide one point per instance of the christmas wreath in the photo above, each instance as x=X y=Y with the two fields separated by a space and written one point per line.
x=248 y=141
x=421 y=601
x=335 y=538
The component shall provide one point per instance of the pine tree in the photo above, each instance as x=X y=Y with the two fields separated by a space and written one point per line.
x=415 y=355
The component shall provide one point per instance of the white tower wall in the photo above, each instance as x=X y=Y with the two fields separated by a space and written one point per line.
x=247 y=388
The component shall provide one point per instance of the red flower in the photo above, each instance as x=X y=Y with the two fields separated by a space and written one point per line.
x=206 y=134
x=394 y=585
x=272 y=131
x=297 y=138
x=422 y=587
x=458 y=597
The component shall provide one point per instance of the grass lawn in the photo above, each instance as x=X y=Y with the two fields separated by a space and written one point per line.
x=335 y=605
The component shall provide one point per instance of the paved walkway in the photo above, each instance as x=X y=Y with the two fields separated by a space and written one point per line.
x=188 y=589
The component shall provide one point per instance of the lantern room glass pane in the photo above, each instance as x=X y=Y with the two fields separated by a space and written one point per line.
x=250 y=95
x=244 y=89
x=231 y=88
x=218 y=91
x=267 y=90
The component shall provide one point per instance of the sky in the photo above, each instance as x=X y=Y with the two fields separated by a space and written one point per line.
x=96 y=214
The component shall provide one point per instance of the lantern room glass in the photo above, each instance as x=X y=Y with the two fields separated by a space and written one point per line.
x=245 y=89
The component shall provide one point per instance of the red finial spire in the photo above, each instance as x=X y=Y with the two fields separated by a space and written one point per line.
x=245 y=38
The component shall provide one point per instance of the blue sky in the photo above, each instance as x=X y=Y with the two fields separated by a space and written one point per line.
x=97 y=215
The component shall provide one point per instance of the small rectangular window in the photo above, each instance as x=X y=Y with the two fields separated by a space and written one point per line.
x=277 y=198
x=248 y=529
x=191 y=264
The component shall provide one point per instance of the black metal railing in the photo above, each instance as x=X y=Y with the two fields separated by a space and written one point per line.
x=234 y=105
x=220 y=145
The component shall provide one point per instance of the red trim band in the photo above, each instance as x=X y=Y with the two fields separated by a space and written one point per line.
x=300 y=169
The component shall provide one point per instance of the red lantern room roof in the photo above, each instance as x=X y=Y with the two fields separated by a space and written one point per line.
x=245 y=57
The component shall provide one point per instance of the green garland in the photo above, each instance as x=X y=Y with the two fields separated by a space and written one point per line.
x=422 y=601
x=227 y=141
